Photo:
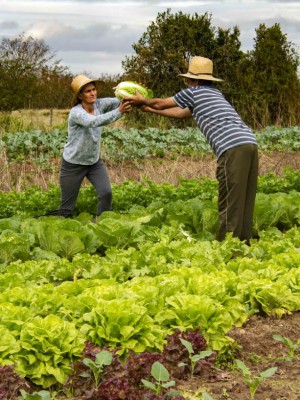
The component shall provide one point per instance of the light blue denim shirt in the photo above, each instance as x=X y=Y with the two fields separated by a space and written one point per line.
x=84 y=130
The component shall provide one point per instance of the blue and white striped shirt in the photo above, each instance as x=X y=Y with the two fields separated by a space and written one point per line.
x=216 y=118
x=84 y=130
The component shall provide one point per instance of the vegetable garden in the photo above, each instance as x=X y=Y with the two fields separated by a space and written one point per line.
x=145 y=297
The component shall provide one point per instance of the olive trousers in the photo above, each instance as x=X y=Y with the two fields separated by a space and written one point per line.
x=237 y=173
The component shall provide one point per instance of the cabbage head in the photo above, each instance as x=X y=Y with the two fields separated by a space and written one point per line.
x=128 y=89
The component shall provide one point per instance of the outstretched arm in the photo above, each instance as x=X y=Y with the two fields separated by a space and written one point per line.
x=157 y=103
x=174 y=112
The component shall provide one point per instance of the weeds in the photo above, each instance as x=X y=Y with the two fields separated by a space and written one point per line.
x=194 y=358
x=13 y=123
x=162 y=382
x=102 y=359
x=254 y=382
x=292 y=346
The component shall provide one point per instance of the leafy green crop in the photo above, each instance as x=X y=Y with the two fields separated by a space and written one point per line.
x=49 y=307
x=102 y=358
x=162 y=380
x=129 y=88
x=139 y=274
x=136 y=144
x=47 y=346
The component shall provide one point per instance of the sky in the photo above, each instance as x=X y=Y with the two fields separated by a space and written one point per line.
x=95 y=36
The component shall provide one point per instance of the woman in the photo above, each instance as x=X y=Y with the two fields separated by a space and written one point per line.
x=81 y=155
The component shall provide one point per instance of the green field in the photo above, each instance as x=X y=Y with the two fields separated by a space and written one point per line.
x=143 y=276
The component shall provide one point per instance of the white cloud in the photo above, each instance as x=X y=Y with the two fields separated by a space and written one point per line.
x=8 y=25
x=96 y=35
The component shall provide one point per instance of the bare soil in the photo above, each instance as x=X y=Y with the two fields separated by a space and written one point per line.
x=171 y=170
x=259 y=351
x=18 y=176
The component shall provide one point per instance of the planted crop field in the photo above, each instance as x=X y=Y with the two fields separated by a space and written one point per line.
x=144 y=303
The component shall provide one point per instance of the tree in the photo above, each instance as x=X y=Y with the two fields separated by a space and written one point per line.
x=271 y=72
x=53 y=89
x=261 y=84
x=227 y=59
x=165 y=49
x=24 y=61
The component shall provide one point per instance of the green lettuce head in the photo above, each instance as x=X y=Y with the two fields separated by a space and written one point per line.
x=129 y=88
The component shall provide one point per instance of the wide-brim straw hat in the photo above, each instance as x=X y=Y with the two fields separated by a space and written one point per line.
x=78 y=83
x=200 y=68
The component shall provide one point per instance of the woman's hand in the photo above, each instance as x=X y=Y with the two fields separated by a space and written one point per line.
x=125 y=107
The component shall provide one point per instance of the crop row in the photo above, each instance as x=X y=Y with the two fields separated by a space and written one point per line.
x=131 y=294
x=141 y=273
x=34 y=201
x=127 y=144
x=192 y=219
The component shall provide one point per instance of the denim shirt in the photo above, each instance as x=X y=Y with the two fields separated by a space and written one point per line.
x=84 y=130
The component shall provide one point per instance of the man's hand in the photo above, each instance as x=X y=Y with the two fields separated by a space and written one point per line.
x=147 y=109
x=155 y=103
x=137 y=100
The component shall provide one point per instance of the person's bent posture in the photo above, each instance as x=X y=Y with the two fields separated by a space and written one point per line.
x=230 y=138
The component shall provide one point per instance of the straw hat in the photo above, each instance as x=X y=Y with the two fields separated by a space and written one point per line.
x=78 y=83
x=200 y=68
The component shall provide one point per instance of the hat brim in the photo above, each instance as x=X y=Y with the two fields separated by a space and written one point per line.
x=98 y=85
x=202 y=77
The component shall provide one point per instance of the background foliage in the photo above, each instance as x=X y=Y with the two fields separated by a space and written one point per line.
x=262 y=83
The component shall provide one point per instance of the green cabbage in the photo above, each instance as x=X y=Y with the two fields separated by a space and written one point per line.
x=129 y=88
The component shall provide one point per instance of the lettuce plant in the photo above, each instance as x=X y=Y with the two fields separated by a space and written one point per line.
x=129 y=88
x=11 y=383
x=47 y=347
x=41 y=395
x=123 y=377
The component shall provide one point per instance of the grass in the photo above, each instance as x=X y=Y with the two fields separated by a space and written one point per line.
x=27 y=120
x=47 y=119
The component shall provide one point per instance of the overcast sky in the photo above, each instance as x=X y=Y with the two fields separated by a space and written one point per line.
x=94 y=36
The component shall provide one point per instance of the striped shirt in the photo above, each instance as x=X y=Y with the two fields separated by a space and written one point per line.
x=84 y=130
x=215 y=117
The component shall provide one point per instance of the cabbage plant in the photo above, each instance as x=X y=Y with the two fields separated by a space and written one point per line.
x=129 y=88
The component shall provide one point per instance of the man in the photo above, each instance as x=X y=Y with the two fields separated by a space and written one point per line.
x=230 y=138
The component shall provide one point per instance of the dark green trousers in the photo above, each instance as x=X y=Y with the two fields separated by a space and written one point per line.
x=237 y=172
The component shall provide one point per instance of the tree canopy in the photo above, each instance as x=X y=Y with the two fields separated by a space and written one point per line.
x=262 y=84
x=165 y=49
x=30 y=75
